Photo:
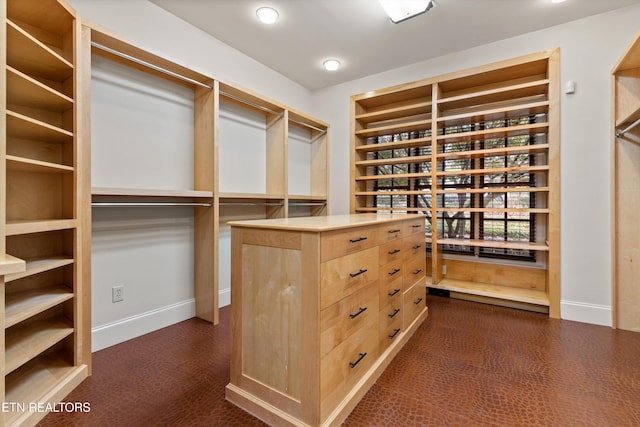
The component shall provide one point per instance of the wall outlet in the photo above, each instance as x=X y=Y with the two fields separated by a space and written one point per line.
x=444 y=269
x=117 y=294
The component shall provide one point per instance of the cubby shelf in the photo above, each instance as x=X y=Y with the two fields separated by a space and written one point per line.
x=413 y=109
x=522 y=295
x=17 y=227
x=394 y=161
x=10 y=264
x=494 y=244
x=28 y=165
x=414 y=125
x=22 y=305
x=396 y=145
x=40 y=265
x=27 y=91
x=23 y=127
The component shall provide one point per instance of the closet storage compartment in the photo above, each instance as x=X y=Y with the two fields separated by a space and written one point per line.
x=46 y=344
x=316 y=318
x=477 y=152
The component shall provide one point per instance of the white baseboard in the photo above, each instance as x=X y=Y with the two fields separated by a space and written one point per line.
x=586 y=313
x=224 y=297
x=131 y=327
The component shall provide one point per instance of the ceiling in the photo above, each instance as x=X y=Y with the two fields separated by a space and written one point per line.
x=362 y=37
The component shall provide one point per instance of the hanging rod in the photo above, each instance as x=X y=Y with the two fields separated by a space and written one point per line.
x=146 y=204
x=252 y=104
x=308 y=203
x=250 y=204
x=621 y=133
x=149 y=65
x=308 y=125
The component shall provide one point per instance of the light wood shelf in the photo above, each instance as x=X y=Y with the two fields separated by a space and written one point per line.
x=527 y=296
x=29 y=55
x=490 y=96
x=393 y=176
x=25 y=342
x=498 y=113
x=303 y=197
x=145 y=193
x=491 y=152
x=494 y=244
x=395 y=145
x=395 y=128
x=496 y=210
x=494 y=171
x=29 y=92
x=20 y=306
x=394 y=209
x=394 y=193
x=10 y=265
x=14 y=228
x=416 y=109
x=28 y=165
x=502 y=132
x=493 y=190
x=40 y=265
x=394 y=161
x=23 y=127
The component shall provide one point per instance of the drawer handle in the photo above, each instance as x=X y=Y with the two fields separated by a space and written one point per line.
x=395 y=332
x=358 y=273
x=395 y=291
x=416 y=226
x=395 y=270
x=359 y=239
x=394 y=231
x=360 y=311
x=354 y=364
x=418 y=301
x=392 y=315
x=417 y=246
x=417 y=271
x=393 y=252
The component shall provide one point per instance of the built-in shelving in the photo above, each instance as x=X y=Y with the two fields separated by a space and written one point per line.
x=477 y=146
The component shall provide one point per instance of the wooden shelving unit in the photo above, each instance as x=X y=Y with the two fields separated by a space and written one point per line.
x=434 y=146
x=46 y=300
x=626 y=188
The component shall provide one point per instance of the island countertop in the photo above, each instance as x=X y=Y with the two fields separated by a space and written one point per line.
x=322 y=223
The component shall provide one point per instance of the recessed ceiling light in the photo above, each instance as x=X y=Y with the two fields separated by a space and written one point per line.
x=267 y=15
x=331 y=64
x=557 y=1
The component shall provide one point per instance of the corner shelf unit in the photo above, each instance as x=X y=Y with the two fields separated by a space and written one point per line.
x=43 y=150
x=626 y=188
x=478 y=143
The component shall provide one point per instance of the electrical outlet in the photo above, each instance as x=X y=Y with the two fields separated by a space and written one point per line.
x=444 y=269
x=117 y=294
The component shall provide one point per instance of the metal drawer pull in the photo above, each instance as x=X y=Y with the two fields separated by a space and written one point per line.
x=393 y=252
x=394 y=231
x=417 y=246
x=392 y=315
x=416 y=226
x=395 y=291
x=354 y=364
x=418 y=301
x=391 y=273
x=358 y=273
x=417 y=271
x=360 y=311
x=395 y=332
x=359 y=239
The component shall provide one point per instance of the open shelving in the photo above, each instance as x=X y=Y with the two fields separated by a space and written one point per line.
x=47 y=330
x=469 y=148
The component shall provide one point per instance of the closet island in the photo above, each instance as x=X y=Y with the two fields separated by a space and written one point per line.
x=320 y=307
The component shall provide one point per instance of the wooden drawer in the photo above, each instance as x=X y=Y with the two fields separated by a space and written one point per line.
x=391 y=292
x=341 y=320
x=414 y=226
x=414 y=301
x=390 y=313
x=390 y=272
x=414 y=270
x=389 y=332
x=341 y=368
x=391 y=231
x=393 y=251
x=414 y=246
x=334 y=244
x=343 y=276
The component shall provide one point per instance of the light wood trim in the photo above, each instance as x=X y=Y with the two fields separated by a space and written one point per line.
x=630 y=58
x=10 y=265
x=3 y=166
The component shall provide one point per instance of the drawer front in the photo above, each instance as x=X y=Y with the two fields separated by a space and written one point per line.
x=341 y=320
x=391 y=292
x=389 y=332
x=334 y=244
x=342 y=276
x=414 y=270
x=346 y=364
x=414 y=246
x=414 y=302
x=393 y=251
x=390 y=231
x=390 y=272
x=390 y=313
x=414 y=226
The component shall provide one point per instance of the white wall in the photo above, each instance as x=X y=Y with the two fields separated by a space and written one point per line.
x=589 y=48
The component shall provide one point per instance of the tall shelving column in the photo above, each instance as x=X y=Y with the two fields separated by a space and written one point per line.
x=47 y=349
x=626 y=188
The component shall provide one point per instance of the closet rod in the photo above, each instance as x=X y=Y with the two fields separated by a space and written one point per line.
x=235 y=204
x=149 y=65
x=308 y=203
x=252 y=104
x=307 y=125
x=628 y=128
x=147 y=204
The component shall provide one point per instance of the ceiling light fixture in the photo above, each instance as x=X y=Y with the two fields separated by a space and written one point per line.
x=557 y=1
x=401 y=10
x=331 y=64
x=267 y=15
